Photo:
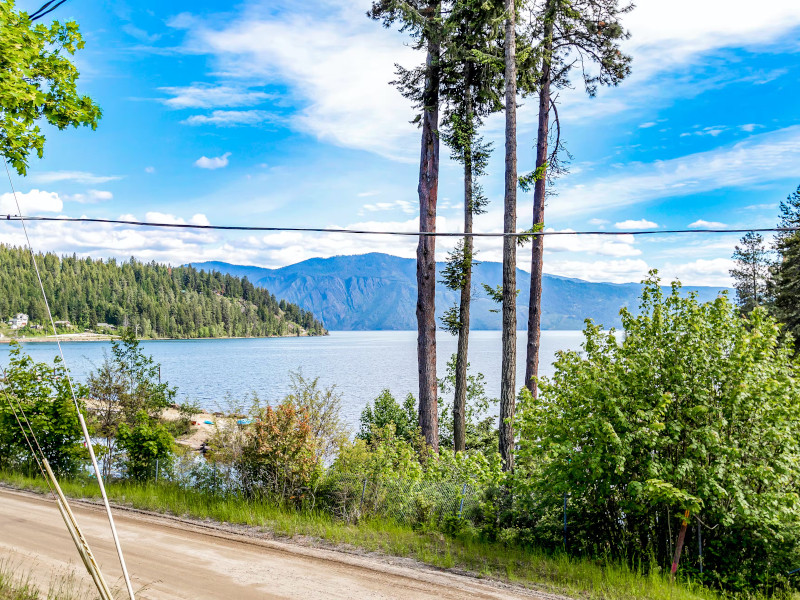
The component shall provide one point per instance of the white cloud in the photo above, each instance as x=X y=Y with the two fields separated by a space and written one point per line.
x=81 y=177
x=603 y=245
x=639 y=224
x=403 y=205
x=230 y=118
x=150 y=170
x=35 y=201
x=760 y=158
x=598 y=222
x=90 y=197
x=202 y=95
x=614 y=271
x=701 y=224
x=340 y=75
x=217 y=162
x=700 y=272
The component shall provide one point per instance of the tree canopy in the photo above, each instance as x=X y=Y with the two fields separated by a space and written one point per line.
x=38 y=83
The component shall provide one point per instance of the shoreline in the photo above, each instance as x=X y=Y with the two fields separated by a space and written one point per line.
x=69 y=338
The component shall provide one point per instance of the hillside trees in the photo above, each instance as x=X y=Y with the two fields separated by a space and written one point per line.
x=39 y=82
x=471 y=88
x=161 y=301
x=751 y=273
x=567 y=34
x=423 y=20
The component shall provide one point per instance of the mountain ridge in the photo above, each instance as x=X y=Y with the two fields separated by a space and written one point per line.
x=377 y=291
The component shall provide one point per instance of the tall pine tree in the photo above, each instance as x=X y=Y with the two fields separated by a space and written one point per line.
x=567 y=34
x=786 y=271
x=423 y=20
x=471 y=88
x=751 y=273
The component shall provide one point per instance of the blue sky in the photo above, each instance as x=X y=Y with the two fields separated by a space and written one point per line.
x=272 y=113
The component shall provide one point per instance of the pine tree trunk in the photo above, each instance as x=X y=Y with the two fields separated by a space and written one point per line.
x=537 y=252
x=509 y=360
x=460 y=396
x=426 y=254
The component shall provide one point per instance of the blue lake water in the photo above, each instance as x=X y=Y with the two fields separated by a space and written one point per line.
x=219 y=373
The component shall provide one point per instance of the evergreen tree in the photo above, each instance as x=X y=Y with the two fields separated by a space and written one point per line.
x=157 y=300
x=421 y=85
x=751 y=273
x=786 y=272
x=471 y=88
x=566 y=34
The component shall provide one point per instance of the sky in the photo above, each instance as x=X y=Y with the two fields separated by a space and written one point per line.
x=280 y=113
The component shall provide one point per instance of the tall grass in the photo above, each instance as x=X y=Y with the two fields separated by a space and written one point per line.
x=17 y=583
x=579 y=577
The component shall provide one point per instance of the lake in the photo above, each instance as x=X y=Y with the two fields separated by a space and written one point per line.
x=360 y=363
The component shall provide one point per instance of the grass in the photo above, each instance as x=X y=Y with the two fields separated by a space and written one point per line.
x=577 y=577
x=16 y=584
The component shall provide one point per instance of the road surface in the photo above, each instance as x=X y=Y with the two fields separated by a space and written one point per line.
x=170 y=559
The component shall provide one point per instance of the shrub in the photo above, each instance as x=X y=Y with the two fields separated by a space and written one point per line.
x=43 y=393
x=146 y=445
x=695 y=409
x=279 y=457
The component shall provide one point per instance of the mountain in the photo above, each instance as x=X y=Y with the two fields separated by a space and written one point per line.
x=157 y=300
x=378 y=291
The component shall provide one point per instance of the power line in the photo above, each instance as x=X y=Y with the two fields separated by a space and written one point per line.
x=519 y=234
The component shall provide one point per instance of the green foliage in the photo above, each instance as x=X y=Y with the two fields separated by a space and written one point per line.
x=384 y=411
x=153 y=299
x=695 y=408
x=481 y=429
x=751 y=273
x=144 y=443
x=38 y=83
x=42 y=392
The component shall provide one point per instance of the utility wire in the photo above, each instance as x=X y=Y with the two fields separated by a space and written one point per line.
x=518 y=234
x=72 y=391
x=43 y=11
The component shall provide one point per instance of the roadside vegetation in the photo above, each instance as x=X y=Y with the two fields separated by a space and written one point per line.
x=16 y=583
x=692 y=409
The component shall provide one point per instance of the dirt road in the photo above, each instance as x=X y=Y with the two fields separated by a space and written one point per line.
x=170 y=559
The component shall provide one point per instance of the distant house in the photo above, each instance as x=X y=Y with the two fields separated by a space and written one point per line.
x=63 y=324
x=105 y=326
x=18 y=321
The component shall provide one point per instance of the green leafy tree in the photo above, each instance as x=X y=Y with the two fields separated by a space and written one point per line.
x=42 y=392
x=751 y=273
x=39 y=82
x=786 y=272
x=147 y=445
x=480 y=430
x=566 y=34
x=693 y=408
x=385 y=410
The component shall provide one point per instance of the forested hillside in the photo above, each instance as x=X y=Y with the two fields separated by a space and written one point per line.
x=159 y=301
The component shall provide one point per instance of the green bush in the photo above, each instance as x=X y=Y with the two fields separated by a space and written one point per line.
x=696 y=408
x=42 y=393
x=147 y=444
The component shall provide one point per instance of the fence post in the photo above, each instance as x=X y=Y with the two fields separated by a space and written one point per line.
x=463 y=493
x=565 y=521
x=363 y=490
x=700 y=543
x=156 y=470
